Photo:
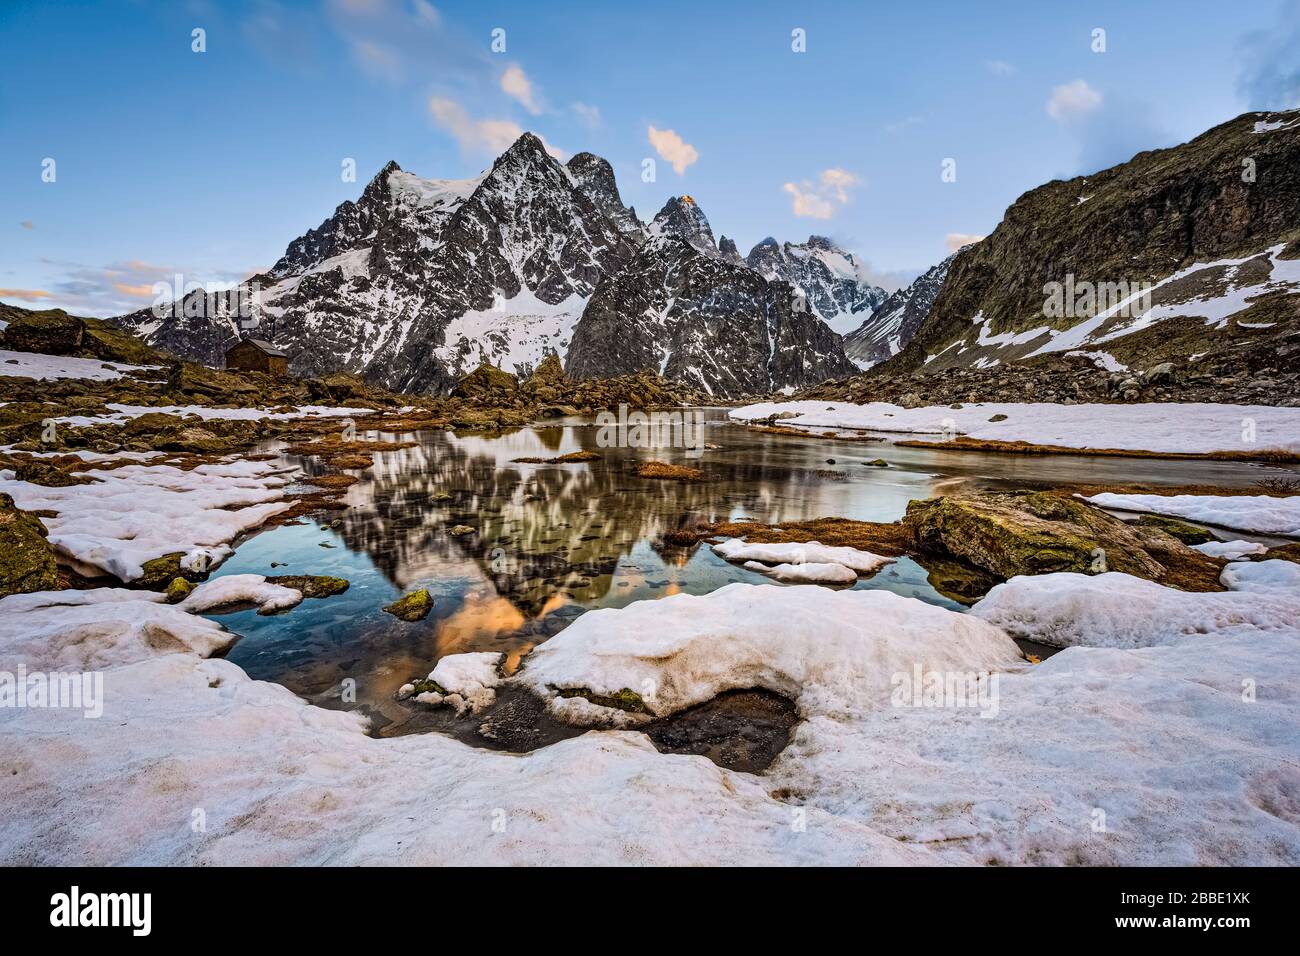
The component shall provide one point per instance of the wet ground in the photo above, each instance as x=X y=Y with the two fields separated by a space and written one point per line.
x=552 y=541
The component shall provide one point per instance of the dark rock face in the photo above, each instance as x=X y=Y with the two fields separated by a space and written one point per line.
x=830 y=280
x=702 y=321
x=895 y=322
x=727 y=249
x=595 y=178
x=1161 y=212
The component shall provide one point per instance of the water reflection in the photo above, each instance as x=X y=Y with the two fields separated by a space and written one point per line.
x=552 y=541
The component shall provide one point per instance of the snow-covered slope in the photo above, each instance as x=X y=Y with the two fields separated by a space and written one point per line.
x=891 y=326
x=831 y=281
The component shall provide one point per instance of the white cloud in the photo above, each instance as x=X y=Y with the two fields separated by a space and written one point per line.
x=515 y=83
x=838 y=182
x=492 y=136
x=1000 y=67
x=959 y=240
x=673 y=148
x=818 y=201
x=1070 y=100
x=588 y=114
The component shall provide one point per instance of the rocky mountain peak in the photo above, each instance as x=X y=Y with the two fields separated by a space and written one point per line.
x=830 y=280
x=683 y=217
x=727 y=249
x=594 y=176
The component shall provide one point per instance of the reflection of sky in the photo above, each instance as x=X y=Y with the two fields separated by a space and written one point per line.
x=554 y=540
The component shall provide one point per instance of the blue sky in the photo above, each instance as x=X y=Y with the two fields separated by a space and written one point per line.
x=207 y=164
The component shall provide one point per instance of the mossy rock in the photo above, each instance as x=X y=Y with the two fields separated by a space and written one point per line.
x=26 y=559
x=53 y=333
x=178 y=590
x=311 y=585
x=161 y=572
x=1288 y=552
x=486 y=381
x=1184 y=532
x=622 y=699
x=878 y=463
x=548 y=373
x=43 y=473
x=427 y=686
x=1010 y=533
x=411 y=607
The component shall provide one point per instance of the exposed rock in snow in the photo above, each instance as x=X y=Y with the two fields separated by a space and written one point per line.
x=682 y=217
x=893 y=323
x=1260 y=513
x=696 y=318
x=1202 y=427
x=467 y=681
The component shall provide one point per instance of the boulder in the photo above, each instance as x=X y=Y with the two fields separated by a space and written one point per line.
x=1030 y=532
x=26 y=558
x=53 y=333
x=549 y=373
x=486 y=383
x=411 y=607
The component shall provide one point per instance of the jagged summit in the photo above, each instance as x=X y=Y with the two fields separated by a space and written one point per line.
x=833 y=284
x=595 y=177
x=682 y=216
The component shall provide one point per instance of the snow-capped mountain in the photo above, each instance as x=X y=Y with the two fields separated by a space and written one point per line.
x=418 y=281
x=683 y=217
x=892 y=325
x=832 y=282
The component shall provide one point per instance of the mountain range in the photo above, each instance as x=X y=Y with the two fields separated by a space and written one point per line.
x=419 y=281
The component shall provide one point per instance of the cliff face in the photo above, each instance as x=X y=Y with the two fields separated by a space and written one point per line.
x=1201 y=222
